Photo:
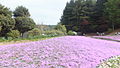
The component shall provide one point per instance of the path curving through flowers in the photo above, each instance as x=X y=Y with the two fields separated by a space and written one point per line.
x=61 y=52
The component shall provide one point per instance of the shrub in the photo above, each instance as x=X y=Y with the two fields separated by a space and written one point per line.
x=61 y=28
x=72 y=33
x=34 y=32
x=109 y=30
x=2 y=39
x=60 y=33
x=13 y=34
x=54 y=33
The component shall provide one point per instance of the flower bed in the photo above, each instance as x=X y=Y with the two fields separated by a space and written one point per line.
x=117 y=37
x=61 y=52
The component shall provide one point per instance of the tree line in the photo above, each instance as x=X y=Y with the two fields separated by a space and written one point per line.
x=15 y=22
x=91 y=16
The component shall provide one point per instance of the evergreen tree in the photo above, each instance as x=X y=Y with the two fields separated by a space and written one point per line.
x=99 y=17
x=113 y=13
x=76 y=12
x=67 y=15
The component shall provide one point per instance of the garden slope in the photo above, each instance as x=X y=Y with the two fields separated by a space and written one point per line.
x=61 y=52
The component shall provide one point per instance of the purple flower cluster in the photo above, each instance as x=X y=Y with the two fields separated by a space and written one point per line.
x=116 y=37
x=61 y=52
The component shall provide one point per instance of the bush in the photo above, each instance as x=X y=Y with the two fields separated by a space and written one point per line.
x=54 y=33
x=2 y=39
x=13 y=34
x=72 y=33
x=61 y=28
x=60 y=33
x=34 y=32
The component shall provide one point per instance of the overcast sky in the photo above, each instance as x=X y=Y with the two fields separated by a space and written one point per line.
x=42 y=11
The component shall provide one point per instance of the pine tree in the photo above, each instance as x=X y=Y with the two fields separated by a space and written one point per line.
x=113 y=13
x=67 y=15
x=76 y=12
x=99 y=17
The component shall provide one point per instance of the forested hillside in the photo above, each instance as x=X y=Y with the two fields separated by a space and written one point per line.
x=91 y=16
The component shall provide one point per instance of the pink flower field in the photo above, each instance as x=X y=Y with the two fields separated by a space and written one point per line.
x=116 y=37
x=61 y=52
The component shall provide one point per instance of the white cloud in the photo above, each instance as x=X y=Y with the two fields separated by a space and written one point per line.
x=46 y=11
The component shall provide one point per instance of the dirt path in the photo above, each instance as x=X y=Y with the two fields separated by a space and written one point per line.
x=62 y=52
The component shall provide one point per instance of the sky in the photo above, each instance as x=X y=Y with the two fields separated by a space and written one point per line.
x=46 y=12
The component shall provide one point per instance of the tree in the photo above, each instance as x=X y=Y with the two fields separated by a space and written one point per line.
x=75 y=12
x=23 y=21
x=113 y=11
x=24 y=24
x=5 y=11
x=7 y=23
x=99 y=17
x=21 y=11
x=67 y=15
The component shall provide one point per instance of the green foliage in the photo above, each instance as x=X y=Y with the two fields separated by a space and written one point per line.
x=61 y=28
x=34 y=32
x=24 y=24
x=75 y=12
x=6 y=24
x=5 y=11
x=60 y=33
x=13 y=34
x=21 y=11
x=2 y=39
x=71 y=33
x=78 y=12
x=35 y=38
x=99 y=16
x=54 y=33
x=113 y=11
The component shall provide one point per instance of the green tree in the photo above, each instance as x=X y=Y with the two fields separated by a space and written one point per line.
x=113 y=11
x=66 y=18
x=24 y=24
x=6 y=24
x=75 y=12
x=23 y=21
x=21 y=11
x=5 y=11
x=98 y=17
